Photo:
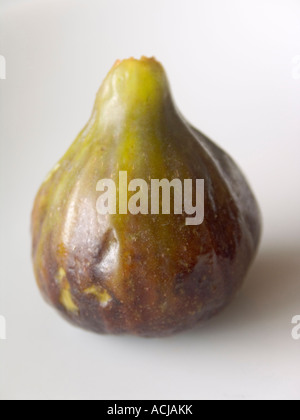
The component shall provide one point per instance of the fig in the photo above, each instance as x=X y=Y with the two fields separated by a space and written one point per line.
x=144 y=273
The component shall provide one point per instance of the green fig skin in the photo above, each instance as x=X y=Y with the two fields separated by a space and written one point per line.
x=147 y=275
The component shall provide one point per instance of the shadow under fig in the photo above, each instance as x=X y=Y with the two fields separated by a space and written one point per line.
x=271 y=291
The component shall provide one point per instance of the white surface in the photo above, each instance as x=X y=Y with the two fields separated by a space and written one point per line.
x=231 y=68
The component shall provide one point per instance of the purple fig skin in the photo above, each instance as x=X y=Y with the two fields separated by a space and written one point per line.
x=147 y=275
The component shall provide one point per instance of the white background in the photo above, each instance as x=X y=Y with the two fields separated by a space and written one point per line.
x=230 y=64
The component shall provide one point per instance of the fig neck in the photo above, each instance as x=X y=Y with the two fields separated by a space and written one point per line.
x=134 y=91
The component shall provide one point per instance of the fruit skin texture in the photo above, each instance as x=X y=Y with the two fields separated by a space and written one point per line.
x=148 y=275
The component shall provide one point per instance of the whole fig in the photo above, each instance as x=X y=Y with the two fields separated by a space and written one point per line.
x=146 y=274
